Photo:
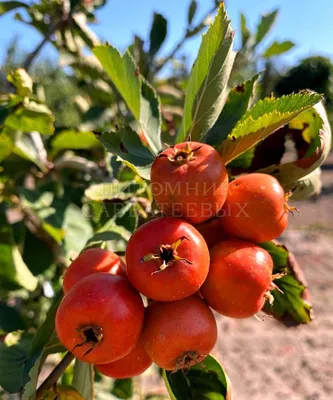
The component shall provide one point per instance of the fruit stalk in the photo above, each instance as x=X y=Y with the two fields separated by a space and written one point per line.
x=54 y=375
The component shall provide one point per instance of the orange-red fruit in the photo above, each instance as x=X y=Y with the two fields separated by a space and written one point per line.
x=189 y=180
x=169 y=275
x=212 y=231
x=91 y=261
x=239 y=276
x=179 y=334
x=135 y=363
x=255 y=208
x=100 y=319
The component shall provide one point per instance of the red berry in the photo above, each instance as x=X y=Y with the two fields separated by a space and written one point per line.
x=135 y=363
x=91 y=261
x=100 y=319
x=167 y=259
x=255 y=208
x=239 y=276
x=179 y=334
x=189 y=180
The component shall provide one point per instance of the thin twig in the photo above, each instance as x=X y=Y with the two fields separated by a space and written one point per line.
x=181 y=42
x=54 y=375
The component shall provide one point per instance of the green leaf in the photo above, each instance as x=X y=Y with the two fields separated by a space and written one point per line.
x=22 y=81
x=12 y=361
x=10 y=319
x=126 y=144
x=31 y=148
x=293 y=302
x=122 y=71
x=191 y=11
x=264 y=118
x=206 y=88
x=238 y=102
x=314 y=129
x=6 y=6
x=205 y=381
x=13 y=272
x=77 y=230
x=43 y=343
x=265 y=25
x=113 y=190
x=158 y=33
x=6 y=146
x=244 y=30
x=73 y=140
x=31 y=117
x=277 y=48
x=150 y=116
x=122 y=388
x=139 y=96
x=83 y=379
x=308 y=186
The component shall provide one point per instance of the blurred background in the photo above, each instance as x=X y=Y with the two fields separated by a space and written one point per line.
x=290 y=43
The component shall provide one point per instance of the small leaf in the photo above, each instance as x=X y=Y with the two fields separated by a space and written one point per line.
x=83 y=379
x=31 y=117
x=202 y=381
x=6 y=146
x=126 y=144
x=277 y=48
x=31 y=147
x=122 y=388
x=264 y=118
x=122 y=71
x=312 y=133
x=265 y=25
x=244 y=30
x=293 y=303
x=6 y=6
x=158 y=33
x=205 y=94
x=72 y=140
x=22 y=81
x=191 y=11
x=308 y=186
x=113 y=190
x=238 y=102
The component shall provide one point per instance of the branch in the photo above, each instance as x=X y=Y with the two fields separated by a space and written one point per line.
x=182 y=41
x=29 y=60
x=54 y=375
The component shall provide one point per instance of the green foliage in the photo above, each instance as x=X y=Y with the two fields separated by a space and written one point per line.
x=157 y=34
x=83 y=379
x=265 y=25
x=277 y=48
x=205 y=381
x=122 y=388
x=205 y=93
x=7 y=6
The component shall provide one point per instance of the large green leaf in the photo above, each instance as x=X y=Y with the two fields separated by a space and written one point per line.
x=313 y=137
x=70 y=139
x=238 y=102
x=122 y=71
x=265 y=25
x=291 y=306
x=31 y=147
x=206 y=88
x=31 y=117
x=13 y=272
x=126 y=144
x=6 y=6
x=264 y=118
x=83 y=379
x=277 y=48
x=205 y=381
x=158 y=33
x=139 y=96
x=114 y=190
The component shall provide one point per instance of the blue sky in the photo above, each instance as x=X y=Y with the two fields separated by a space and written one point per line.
x=308 y=23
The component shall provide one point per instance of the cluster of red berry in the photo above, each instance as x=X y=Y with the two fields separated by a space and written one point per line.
x=209 y=257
